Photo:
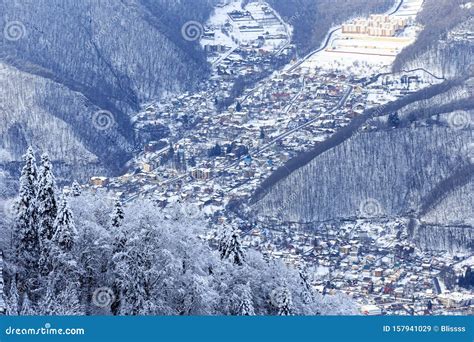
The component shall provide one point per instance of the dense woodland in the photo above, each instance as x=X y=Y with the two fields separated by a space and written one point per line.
x=411 y=159
x=82 y=254
x=417 y=104
x=102 y=55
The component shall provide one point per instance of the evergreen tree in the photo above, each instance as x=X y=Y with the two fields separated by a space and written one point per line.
x=238 y=107
x=76 y=189
x=13 y=300
x=230 y=247
x=393 y=120
x=47 y=212
x=62 y=296
x=65 y=229
x=171 y=151
x=429 y=305
x=246 y=304
x=136 y=274
x=466 y=280
x=46 y=200
x=67 y=302
x=27 y=308
x=117 y=214
x=47 y=304
x=25 y=232
x=118 y=259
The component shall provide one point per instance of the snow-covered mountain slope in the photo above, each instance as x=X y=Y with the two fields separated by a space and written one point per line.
x=411 y=171
x=445 y=45
x=421 y=170
x=449 y=223
x=396 y=168
x=63 y=61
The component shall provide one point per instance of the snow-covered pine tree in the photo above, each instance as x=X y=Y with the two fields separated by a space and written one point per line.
x=47 y=212
x=246 y=303
x=27 y=308
x=25 y=232
x=117 y=214
x=230 y=247
x=13 y=300
x=76 y=189
x=64 y=279
x=46 y=200
x=64 y=227
x=47 y=302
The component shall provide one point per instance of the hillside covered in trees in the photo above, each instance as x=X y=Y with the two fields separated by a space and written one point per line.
x=417 y=166
x=80 y=253
x=434 y=48
x=73 y=72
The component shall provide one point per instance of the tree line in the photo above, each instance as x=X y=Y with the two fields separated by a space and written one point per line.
x=82 y=253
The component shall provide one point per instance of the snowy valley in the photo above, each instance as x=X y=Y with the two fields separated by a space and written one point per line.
x=237 y=158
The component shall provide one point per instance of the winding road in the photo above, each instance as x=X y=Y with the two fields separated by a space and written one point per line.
x=283 y=135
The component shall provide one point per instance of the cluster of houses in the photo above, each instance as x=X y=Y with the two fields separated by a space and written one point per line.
x=238 y=145
x=203 y=149
x=383 y=275
x=213 y=156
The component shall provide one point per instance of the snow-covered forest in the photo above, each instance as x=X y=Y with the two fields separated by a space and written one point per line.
x=75 y=58
x=80 y=253
x=421 y=167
